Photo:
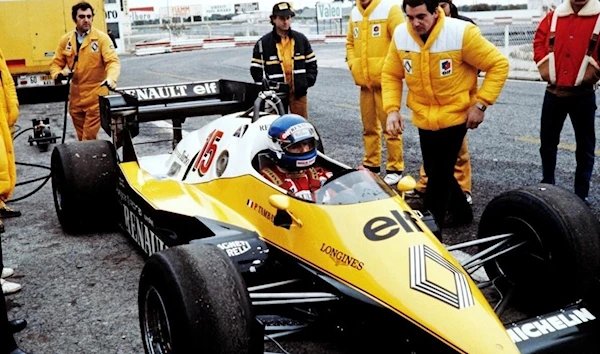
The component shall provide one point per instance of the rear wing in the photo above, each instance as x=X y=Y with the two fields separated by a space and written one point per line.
x=123 y=112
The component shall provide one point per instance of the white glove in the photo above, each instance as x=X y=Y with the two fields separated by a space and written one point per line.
x=110 y=83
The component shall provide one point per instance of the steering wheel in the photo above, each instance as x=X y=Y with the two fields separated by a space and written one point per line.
x=271 y=99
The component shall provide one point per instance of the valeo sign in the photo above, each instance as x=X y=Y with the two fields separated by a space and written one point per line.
x=329 y=11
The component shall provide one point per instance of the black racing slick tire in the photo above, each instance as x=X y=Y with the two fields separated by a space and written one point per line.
x=84 y=185
x=559 y=260
x=192 y=299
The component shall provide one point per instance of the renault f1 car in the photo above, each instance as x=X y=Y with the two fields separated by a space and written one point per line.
x=233 y=259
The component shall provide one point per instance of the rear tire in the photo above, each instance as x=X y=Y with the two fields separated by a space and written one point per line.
x=192 y=299
x=84 y=185
x=559 y=262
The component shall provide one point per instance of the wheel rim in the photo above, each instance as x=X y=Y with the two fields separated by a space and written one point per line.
x=57 y=184
x=157 y=332
x=525 y=263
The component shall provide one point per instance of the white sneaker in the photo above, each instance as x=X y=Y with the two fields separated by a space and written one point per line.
x=7 y=272
x=469 y=198
x=392 y=178
x=9 y=288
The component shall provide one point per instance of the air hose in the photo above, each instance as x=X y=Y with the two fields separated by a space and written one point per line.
x=46 y=178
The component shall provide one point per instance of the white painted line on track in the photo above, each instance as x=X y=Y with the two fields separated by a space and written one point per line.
x=168 y=126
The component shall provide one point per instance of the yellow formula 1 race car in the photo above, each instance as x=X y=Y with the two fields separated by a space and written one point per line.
x=234 y=259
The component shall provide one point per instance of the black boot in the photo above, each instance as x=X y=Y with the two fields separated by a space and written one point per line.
x=7 y=212
x=16 y=326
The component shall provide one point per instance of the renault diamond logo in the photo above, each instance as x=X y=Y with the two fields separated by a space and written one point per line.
x=432 y=274
x=407 y=66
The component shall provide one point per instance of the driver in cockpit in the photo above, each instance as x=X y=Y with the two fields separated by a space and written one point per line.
x=293 y=151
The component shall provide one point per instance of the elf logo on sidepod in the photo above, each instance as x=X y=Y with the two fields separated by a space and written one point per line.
x=384 y=227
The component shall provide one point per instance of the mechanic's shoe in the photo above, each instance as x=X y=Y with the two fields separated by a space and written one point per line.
x=1 y=227
x=455 y=220
x=587 y=201
x=392 y=178
x=9 y=287
x=7 y=212
x=7 y=272
x=469 y=198
x=375 y=170
x=415 y=199
x=16 y=326
x=414 y=194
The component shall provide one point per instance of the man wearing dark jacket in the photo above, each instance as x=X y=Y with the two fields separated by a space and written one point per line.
x=452 y=11
x=284 y=55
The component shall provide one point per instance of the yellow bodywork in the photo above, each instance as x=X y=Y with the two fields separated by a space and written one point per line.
x=331 y=238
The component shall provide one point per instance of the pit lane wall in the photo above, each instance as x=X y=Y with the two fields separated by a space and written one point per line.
x=179 y=45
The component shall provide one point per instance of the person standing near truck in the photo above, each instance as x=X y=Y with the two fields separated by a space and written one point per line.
x=88 y=57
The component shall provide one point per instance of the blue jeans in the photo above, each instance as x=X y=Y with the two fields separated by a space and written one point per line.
x=581 y=109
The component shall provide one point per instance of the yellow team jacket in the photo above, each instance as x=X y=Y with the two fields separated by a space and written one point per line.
x=97 y=61
x=441 y=74
x=369 y=35
x=9 y=112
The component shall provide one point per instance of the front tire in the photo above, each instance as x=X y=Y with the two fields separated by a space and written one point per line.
x=192 y=299
x=560 y=259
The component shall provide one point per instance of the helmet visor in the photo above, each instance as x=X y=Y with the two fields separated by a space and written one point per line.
x=300 y=147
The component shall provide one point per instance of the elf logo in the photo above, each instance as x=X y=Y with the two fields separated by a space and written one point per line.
x=383 y=227
x=445 y=67
x=376 y=31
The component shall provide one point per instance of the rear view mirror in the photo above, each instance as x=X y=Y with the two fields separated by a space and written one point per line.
x=283 y=217
x=407 y=183
x=279 y=202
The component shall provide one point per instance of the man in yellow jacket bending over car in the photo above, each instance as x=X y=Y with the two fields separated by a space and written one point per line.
x=88 y=56
x=371 y=25
x=438 y=57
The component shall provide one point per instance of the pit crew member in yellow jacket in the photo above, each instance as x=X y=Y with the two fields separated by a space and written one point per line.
x=371 y=25
x=9 y=113
x=439 y=57
x=89 y=57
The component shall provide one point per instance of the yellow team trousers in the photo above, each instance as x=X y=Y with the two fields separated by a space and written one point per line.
x=462 y=170
x=299 y=106
x=86 y=121
x=374 y=121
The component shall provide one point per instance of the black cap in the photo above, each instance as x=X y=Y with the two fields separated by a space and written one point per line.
x=283 y=9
